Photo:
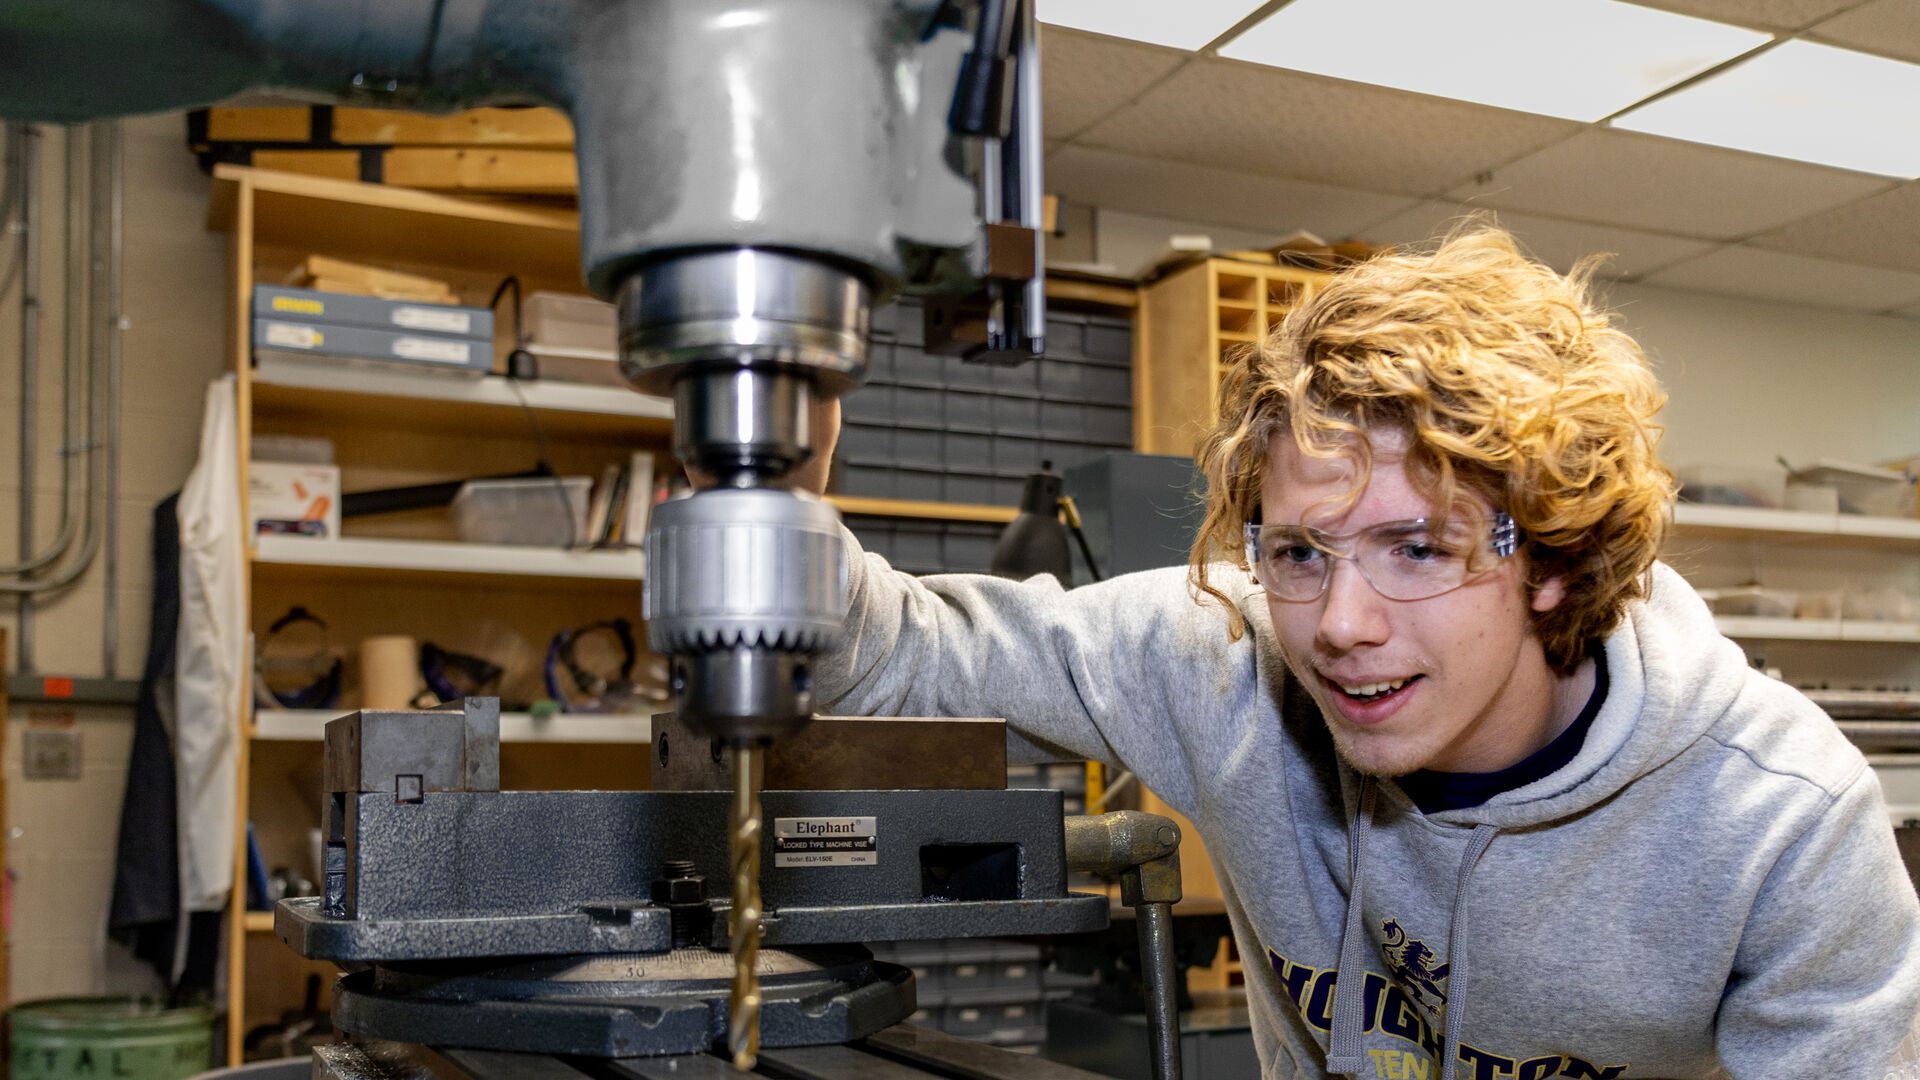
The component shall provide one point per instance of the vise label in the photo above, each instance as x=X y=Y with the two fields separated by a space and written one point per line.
x=826 y=841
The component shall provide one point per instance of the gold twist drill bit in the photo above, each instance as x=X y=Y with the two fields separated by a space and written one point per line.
x=743 y=1008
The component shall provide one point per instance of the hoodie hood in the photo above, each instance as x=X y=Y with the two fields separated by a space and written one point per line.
x=1672 y=677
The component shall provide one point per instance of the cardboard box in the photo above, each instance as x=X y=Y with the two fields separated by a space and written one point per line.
x=372 y=312
x=466 y=356
x=297 y=500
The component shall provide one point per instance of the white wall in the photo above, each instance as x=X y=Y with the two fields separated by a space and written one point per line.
x=62 y=834
x=1750 y=380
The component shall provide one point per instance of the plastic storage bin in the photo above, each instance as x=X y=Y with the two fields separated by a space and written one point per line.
x=545 y=512
x=1863 y=489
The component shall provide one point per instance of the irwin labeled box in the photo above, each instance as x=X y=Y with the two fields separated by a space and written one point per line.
x=371 y=312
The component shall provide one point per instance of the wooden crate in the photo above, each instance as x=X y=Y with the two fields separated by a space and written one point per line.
x=489 y=151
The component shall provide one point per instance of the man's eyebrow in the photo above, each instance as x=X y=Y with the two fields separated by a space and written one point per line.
x=1414 y=527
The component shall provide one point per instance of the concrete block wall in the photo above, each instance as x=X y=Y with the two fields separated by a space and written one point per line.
x=63 y=833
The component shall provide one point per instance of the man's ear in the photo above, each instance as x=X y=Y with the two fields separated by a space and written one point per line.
x=1548 y=594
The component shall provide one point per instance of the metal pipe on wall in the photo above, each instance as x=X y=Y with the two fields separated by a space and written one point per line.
x=29 y=368
x=84 y=376
x=110 y=187
x=71 y=364
x=15 y=138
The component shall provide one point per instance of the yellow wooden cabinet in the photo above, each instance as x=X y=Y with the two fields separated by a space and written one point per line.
x=1189 y=327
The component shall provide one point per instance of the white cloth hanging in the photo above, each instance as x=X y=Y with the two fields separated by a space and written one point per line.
x=210 y=658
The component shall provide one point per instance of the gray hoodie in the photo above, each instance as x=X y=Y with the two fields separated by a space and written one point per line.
x=1709 y=888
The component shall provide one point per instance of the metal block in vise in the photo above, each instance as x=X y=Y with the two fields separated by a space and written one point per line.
x=408 y=753
x=845 y=753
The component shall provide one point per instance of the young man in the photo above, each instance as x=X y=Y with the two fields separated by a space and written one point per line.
x=1458 y=745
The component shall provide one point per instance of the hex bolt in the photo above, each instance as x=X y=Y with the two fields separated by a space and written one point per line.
x=684 y=894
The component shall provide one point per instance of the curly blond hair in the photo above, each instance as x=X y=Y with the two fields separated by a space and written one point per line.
x=1507 y=382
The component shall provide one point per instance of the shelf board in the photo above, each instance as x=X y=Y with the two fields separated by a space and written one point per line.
x=352 y=220
x=361 y=555
x=1754 y=523
x=307 y=725
x=371 y=394
x=1776 y=629
x=926 y=511
x=1760 y=627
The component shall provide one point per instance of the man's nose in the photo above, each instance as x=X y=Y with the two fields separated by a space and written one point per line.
x=1355 y=614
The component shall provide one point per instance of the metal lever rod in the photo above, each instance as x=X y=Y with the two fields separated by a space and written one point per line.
x=1143 y=851
x=1163 y=1010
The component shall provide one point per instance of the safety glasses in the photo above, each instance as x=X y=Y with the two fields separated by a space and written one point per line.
x=1402 y=560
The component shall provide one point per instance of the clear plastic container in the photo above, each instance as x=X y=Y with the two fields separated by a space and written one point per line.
x=1818 y=604
x=545 y=512
x=1754 y=600
x=1881 y=605
x=1813 y=498
x=1734 y=485
x=565 y=321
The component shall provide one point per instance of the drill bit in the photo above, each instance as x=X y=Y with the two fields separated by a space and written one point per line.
x=743 y=922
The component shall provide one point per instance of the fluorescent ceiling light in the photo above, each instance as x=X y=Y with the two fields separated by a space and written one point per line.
x=1576 y=59
x=1803 y=101
x=1185 y=25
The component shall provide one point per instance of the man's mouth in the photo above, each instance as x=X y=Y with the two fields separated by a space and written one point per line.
x=1370 y=692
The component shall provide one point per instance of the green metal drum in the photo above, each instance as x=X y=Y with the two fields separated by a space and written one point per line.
x=108 y=1039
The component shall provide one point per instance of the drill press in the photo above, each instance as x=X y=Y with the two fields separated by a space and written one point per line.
x=753 y=177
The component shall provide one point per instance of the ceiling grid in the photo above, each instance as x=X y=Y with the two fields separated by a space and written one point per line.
x=1152 y=130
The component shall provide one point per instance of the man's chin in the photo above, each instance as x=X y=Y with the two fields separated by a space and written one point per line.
x=1385 y=757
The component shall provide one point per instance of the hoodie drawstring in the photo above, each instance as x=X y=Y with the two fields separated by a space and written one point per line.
x=1344 y=1055
x=1457 y=946
x=1343 y=1049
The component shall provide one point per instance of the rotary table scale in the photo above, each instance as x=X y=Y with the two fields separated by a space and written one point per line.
x=519 y=935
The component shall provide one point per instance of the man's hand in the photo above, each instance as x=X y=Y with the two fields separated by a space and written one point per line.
x=812 y=477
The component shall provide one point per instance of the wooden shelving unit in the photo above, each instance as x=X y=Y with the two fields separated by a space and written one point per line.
x=1190 y=327
x=407 y=573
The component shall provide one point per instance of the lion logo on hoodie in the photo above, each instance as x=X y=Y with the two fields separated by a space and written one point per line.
x=1410 y=963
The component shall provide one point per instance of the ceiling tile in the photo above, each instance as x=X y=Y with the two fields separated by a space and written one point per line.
x=1263 y=120
x=1765 y=14
x=1665 y=185
x=1739 y=270
x=1559 y=244
x=1881 y=231
x=1084 y=76
x=1888 y=27
x=1202 y=194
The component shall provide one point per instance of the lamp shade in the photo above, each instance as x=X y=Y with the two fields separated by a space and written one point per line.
x=1035 y=542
